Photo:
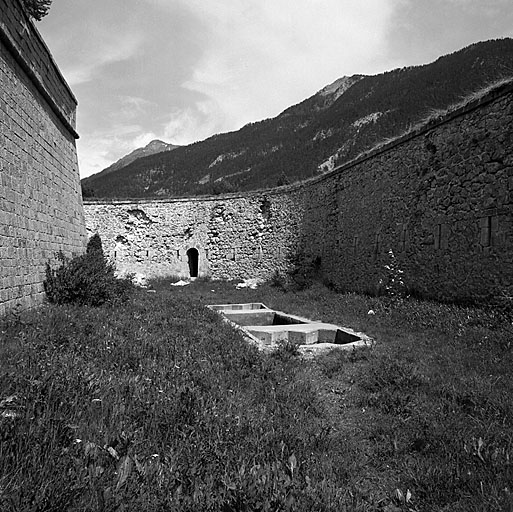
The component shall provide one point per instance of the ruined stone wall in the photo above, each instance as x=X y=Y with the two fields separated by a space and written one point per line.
x=40 y=199
x=236 y=236
x=440 y=198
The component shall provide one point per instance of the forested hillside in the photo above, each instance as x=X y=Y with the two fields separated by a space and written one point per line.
x=326 y=130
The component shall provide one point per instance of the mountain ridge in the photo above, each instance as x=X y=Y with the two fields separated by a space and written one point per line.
x=329 y=128
x=153 y=147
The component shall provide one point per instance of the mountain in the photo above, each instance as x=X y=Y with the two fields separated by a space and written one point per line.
x=155 y=146
x=331 y=127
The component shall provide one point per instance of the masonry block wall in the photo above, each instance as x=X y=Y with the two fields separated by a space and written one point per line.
x=41 y=208
x=441 y=198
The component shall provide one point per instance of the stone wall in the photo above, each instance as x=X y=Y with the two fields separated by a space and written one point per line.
x=41 y=208
x=440 y=198
x=236 y=237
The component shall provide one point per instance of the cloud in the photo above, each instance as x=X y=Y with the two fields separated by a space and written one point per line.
x=115 y=49
x=198 y=122
x=133 y=107
x=422 y=31
x=102 y=147
x=265 y=55
x=85 y=40
x=182 y=70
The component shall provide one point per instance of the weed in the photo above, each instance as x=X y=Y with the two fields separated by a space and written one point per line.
x=392 y=284
x=286 y=349
x=334 y=363
x=305 y=269
x=278 y=280
x=158 y=404
x=87 y=279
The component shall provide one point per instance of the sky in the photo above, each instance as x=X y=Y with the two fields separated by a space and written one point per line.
x=183 y=70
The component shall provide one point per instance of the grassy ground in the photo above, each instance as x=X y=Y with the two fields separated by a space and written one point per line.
x=159 y=405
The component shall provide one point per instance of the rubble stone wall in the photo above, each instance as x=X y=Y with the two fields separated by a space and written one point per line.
x=41 y=209
x=440 y=198
x=236 y=237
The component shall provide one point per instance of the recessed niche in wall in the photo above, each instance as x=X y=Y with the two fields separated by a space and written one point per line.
x=193 y=261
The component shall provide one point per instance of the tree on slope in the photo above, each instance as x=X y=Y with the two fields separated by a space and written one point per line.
x=37 y=9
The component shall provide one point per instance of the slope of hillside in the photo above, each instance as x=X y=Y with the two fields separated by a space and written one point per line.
x=153 y=147
x=327 y=129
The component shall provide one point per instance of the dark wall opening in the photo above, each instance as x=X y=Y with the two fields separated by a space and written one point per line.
x=193 y=260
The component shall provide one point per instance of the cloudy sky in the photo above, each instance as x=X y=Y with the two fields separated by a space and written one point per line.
x=182 y=70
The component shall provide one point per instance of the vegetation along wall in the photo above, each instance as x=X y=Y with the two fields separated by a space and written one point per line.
x=41 y=208
x=440 y=197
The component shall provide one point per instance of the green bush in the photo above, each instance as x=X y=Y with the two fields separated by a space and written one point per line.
x=278 y=280
x=87 y=279
x=304 y=270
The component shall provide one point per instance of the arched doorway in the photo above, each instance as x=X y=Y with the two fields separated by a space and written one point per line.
x=193 y=260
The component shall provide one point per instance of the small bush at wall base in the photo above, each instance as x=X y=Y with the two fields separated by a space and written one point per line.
x=87 y=279
x=278 y=280
x=392 y=284
x=304 y=270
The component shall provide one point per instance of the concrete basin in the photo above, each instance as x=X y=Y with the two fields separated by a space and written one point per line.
x=269 y=328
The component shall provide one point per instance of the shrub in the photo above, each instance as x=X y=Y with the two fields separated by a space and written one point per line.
x=392 y=285
x=94 y=246
x=87 y=279
x=37 y=9
x=286 y=350
x=278 y=280
x=304 y=271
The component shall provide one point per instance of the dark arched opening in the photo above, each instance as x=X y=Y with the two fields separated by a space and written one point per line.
x=193 y=259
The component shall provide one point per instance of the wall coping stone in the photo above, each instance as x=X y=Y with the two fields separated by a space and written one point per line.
x=30 y=69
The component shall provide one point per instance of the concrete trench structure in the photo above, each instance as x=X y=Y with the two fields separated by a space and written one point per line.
x=268 y=329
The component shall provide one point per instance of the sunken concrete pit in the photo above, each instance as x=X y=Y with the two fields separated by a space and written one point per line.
x=269 y=328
